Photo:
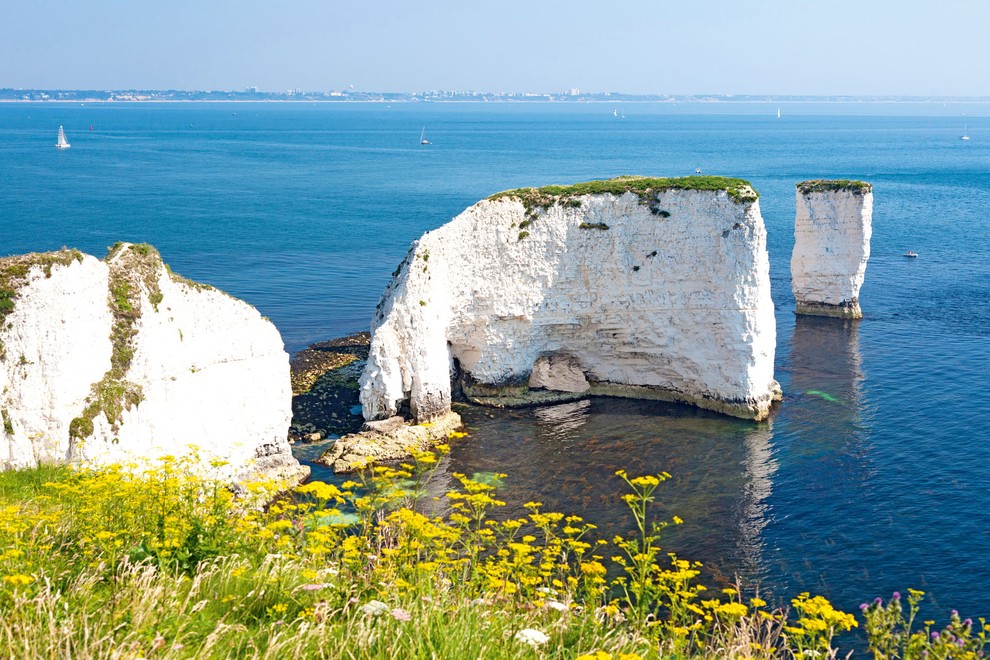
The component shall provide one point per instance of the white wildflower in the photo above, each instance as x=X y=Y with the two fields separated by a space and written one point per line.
x=556 y=605
x=531 y=636
x=375 y=608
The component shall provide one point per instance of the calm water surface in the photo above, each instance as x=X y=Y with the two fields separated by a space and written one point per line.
x=871 y=477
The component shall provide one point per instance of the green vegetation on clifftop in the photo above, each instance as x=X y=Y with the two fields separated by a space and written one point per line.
x=133 y=269
x=14 y=274
x=646 y=188
x=836 y=185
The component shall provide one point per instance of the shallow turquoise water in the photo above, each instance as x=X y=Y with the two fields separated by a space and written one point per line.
x=871 y=477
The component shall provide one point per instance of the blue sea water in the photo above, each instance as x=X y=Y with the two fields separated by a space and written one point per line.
x=871 y=477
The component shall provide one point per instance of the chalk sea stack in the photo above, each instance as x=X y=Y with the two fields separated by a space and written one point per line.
x=121 y=360
x=637 y=287
x=832 y=230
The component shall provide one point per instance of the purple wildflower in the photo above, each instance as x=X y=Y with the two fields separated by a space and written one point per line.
x=864 y=606
x=897 y=595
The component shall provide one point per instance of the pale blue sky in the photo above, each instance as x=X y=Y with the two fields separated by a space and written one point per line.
x=883 y=47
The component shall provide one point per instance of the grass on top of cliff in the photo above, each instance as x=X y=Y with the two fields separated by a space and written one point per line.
x=14 y=273
x=834 y=185
x=161 y=563
x=646 y=188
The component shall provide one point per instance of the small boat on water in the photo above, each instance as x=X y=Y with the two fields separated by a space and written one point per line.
x=911 y=254
x=422 y=137
x=965 y=135
x=62 y=143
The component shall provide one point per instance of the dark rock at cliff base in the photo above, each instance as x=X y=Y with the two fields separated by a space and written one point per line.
x=325 y=388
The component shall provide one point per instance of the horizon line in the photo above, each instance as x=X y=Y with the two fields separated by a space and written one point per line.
x=574 y=95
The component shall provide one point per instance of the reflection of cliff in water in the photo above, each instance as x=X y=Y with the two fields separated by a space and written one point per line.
x=822 y=492
x=562 y=422
x=825 y=364
x=566 y=456
x=760 y=466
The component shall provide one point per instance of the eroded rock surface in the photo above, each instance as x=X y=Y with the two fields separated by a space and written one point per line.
x=121 y=360
x=388 y=440
x=651 y=288
x=832 y=230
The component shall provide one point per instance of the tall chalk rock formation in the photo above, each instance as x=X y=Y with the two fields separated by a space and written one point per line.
x=635 y=287
x=121 y=360
x=832 y=232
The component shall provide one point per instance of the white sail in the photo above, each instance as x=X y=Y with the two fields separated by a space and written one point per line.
x=62 y=143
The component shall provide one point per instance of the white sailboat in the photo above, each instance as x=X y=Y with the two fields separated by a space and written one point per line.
x=965 y=135
x=62 y=143
x=778 y=113
x=422 y=137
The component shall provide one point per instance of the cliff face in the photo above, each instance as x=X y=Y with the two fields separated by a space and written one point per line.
x=121 y=360
x=649 y=288
x=832 y=232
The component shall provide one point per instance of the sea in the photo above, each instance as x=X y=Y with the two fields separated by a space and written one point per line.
x=872 y=476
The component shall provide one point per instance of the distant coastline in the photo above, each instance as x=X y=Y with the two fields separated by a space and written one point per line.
x=10 y=95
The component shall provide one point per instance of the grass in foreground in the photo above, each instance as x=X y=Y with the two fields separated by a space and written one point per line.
x=165 y=564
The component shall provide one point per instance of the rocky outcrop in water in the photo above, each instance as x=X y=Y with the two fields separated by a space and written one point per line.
x=636 y=287
x=121 y=360
x=387 y=440
x=832 y=232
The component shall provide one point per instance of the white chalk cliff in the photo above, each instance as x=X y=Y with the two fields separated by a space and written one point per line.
x=646 y=288
x=120 y=360
x=832 y=230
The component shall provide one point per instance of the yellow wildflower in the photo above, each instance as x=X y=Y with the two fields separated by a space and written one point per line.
x=597 y=655
x=18 y=580
x=731 y=609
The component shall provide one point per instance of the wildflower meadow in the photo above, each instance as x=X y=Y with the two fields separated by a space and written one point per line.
x=162 y=562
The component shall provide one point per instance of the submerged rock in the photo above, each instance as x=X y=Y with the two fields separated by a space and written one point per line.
x=387 y=440
x=325 y=388
x=646 y=288
x=832 y=230
x=121 y=360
